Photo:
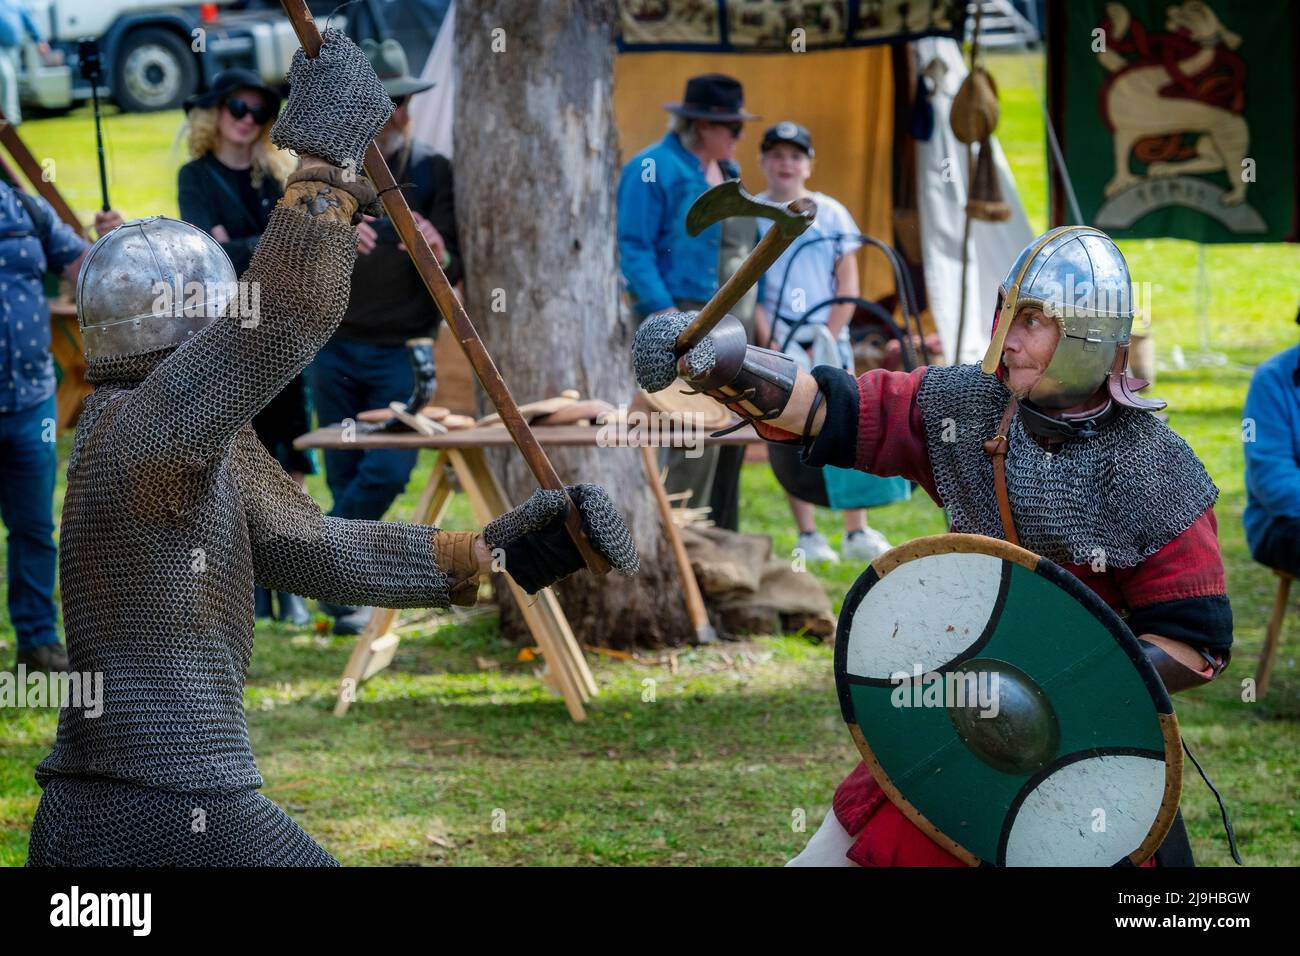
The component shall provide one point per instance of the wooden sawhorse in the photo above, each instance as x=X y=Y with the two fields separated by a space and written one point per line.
x=567 y=669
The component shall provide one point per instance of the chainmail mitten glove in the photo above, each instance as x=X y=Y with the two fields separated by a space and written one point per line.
x=336 y=104
x=653 y=356
x=536 y=548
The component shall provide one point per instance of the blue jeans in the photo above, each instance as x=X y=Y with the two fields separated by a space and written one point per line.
x=346 y=378
x=28 y=463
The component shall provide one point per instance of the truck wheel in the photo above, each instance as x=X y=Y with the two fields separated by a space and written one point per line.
x=154 y=70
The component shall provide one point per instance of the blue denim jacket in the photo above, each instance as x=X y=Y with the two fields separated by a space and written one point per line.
x=1273 y=457
x=662 y=264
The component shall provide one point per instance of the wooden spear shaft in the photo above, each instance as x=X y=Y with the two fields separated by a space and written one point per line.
x=435 y=280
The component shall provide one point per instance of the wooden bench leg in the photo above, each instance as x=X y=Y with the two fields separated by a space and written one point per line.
x=377 y=644
x=1274 y=636
x=699 y=617
x=546 y=621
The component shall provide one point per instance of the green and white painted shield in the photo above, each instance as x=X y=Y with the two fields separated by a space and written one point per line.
x=1005 y=709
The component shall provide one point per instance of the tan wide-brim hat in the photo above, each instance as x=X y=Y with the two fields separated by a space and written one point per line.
x=389 y=61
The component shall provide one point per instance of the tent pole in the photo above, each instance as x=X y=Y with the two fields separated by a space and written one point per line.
x=970 y=177
x=965 y=256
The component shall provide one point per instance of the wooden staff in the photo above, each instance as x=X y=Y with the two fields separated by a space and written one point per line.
x=10 y=173
x=32 y=170
x=435 y=280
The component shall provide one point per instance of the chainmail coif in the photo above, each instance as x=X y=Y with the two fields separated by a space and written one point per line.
x=1120 y=496
x=173 y=511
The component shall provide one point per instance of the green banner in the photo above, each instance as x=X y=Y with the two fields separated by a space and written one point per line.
x=1178 y=119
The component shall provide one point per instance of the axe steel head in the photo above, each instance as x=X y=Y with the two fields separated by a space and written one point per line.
x=728 y=200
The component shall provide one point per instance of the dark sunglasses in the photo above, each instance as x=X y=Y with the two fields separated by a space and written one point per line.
x=733 y=128
x=239 y=109
x=400 y=101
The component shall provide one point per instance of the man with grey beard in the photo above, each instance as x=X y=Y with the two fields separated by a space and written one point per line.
x=365 y=365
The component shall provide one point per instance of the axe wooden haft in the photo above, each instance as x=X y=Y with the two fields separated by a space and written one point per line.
x=435 y=280
x=726 y=201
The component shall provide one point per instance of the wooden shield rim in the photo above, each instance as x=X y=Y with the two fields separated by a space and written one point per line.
x=957 y=543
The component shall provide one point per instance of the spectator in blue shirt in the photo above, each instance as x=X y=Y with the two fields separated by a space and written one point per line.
x=1271 y=433
x=33 y=241
x=664 y=268
x=15 y=20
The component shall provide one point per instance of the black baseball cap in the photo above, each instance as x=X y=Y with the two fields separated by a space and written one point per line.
x=787 y=132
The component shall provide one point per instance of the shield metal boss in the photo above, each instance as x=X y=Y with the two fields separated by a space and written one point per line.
x=1004 y=708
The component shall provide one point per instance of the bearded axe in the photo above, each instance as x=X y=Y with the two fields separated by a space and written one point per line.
x=789 y=220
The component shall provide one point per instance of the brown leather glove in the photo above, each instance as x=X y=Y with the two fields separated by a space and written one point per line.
x=453 y=552
x=331 y=192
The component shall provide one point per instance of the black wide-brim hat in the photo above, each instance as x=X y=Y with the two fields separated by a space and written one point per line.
x=226 y=82
x=714 y=97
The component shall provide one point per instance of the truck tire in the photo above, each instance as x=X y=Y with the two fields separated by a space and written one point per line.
x=153 y=70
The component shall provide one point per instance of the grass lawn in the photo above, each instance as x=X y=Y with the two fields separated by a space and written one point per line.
x=445 y=761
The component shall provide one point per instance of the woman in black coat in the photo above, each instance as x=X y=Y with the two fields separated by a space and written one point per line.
x=228 y=190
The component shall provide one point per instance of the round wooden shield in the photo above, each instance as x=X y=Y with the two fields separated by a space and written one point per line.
x=1004 y=708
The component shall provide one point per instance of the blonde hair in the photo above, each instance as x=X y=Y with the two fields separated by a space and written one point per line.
x=202 y=134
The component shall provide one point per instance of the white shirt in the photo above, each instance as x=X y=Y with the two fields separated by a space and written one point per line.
x=811 y=279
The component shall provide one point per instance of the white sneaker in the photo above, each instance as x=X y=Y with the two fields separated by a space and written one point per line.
x=865 y=545
x=816 y=548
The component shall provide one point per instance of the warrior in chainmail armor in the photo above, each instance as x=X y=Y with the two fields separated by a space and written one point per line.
x=1046 y=444
x=174 y=509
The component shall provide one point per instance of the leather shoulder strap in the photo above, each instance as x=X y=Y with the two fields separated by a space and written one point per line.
x=996 y=448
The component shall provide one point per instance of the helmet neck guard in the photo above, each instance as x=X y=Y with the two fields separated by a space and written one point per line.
x=1042 y=425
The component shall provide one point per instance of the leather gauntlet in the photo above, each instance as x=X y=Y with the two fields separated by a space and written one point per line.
x=754 y=383
x=330 y=192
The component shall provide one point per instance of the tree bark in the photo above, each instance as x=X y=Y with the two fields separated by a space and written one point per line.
x=536 y=153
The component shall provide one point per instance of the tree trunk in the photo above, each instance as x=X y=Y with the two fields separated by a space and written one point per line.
x=536 y=154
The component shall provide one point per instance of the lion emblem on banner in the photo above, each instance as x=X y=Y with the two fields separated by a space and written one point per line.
x=1174 y=101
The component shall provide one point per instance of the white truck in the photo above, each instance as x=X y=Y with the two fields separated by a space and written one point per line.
x=156 y=53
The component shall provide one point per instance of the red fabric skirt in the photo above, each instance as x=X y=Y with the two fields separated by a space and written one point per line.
x=883 y=836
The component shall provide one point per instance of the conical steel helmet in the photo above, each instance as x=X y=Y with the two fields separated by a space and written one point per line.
x=1078 y=276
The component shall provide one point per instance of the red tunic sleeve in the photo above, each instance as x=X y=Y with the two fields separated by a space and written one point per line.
x=891 y=431
x=873 y=425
